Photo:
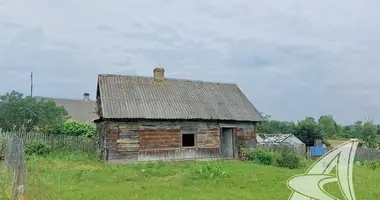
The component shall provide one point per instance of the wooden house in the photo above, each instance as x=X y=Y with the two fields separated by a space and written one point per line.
x=81 y=110
x=159 y=118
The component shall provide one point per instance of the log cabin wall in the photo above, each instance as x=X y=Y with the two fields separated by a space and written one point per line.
x=146 y=140
x=246 y=133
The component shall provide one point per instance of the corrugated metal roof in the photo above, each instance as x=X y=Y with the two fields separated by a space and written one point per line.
x=79 y=110
x=145 y=98
x=278 y=138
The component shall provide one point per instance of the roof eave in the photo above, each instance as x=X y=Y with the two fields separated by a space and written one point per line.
x=180 y=119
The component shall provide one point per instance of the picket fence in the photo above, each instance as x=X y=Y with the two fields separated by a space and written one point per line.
x=58 y=142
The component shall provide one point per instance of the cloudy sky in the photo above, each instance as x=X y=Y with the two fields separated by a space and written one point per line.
x=293 y=58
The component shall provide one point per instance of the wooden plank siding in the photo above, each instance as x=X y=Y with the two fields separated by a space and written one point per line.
x=145 y=140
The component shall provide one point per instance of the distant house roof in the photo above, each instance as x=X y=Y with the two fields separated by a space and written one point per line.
x=278 y=139
x=79 y=110
x=133 y=97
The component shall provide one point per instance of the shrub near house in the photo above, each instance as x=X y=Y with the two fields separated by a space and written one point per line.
x=284 y=159
x=74 y=128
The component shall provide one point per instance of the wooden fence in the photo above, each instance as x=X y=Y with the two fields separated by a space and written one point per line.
x=178 y=154
x=58 y=142
x=362 y=154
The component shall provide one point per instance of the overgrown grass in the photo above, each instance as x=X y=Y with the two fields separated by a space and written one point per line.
x=78 y=176
x=3 y=182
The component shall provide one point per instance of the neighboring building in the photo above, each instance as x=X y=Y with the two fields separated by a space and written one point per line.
x=82 y=110
x=154 y=118
x=283 y=140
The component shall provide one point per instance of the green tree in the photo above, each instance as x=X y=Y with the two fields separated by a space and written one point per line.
x=348 y=132
x=358 y=129
x=369 y=135
x=19 y=113
x=273 y=127
x=270 y=126
x=328 y=126
x=308 y=130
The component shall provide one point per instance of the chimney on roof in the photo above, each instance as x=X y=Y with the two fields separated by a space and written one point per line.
x=86 y=96
x=159 y=74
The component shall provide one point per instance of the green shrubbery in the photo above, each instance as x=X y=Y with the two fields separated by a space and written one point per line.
x=374 y=164
x=262 y=156
x=286 y=158
x=73 y=128
x=37 y=148
x=289 y=159
x=2 y=148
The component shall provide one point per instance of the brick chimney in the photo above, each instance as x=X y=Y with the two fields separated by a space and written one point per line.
x=159 y=74
x=86 y=96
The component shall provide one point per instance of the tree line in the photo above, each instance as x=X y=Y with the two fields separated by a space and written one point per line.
x=325 y=128
x=19 y=113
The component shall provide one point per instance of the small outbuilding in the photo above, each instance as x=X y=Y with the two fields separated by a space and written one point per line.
x=280 y=140
x=159 y=118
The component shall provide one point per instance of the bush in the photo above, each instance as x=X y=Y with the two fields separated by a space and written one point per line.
x=2 y=148
x=325 y=142
x=361 y=144
x=372 y=164
x=74 y=128
x=289 y=159
x=37 y=148
x=261 y=156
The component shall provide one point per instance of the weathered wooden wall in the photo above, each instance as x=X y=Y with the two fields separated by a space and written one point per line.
x=155 y=140
x=159 y=135
x=123 y=141
x=246 y=133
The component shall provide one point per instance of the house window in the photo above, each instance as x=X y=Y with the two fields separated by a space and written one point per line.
x=188 y=140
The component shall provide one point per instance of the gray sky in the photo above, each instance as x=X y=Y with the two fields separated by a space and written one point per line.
x=292 y=58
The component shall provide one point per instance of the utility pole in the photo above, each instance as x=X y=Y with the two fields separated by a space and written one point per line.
x=31 y=84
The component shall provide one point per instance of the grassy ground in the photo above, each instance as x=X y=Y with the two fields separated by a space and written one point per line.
x=2 y=182
x=77 y=176
x=335 y=143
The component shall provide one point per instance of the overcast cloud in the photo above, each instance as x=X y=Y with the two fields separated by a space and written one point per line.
x=292 y=58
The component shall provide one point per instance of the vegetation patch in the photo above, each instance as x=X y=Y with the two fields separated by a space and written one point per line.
x=180 y=180
x=37 y=148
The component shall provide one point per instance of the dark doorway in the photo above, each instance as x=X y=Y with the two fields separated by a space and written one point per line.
x=227 y=142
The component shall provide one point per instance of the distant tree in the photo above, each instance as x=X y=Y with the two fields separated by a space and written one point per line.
x=348 y=132
x=358 y=128
x=270 y=126
x=369 y=135
x=274 y=126
x=328 y=126
x=308 y=130
x=19 y=113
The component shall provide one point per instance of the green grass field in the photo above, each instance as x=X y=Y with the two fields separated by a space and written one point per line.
x=77 y=176
x=335 y=143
